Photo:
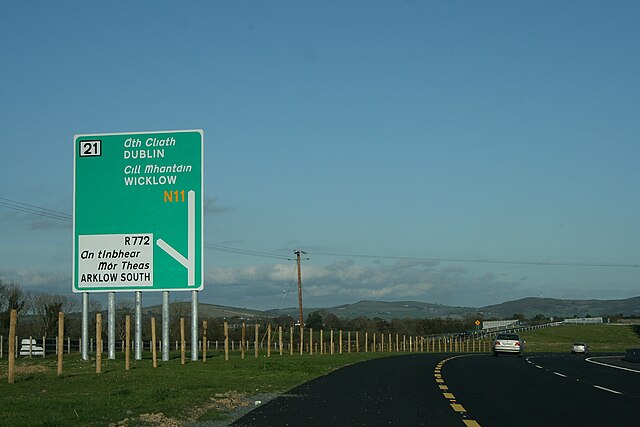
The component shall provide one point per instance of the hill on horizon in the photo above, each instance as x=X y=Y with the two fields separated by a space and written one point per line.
x=565 y=308
x=388 y=310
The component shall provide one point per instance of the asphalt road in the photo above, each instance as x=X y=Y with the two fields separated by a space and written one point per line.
x=472 y=390
x=543 y=390
x=392 y=391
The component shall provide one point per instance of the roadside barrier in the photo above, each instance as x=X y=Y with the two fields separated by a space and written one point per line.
x=347 y=342
x=265 y=343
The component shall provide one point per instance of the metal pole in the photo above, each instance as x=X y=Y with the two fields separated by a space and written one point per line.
x=165 y=326
x=194 y=325
x=85 y=326
x=111 y=331
x=138 y=326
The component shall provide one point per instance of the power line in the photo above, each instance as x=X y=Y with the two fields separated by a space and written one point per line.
x=61 y=216
x=287 y=291
x=248 y=252
x=34 y=210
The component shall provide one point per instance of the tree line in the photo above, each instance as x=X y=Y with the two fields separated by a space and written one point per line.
x=38 y=314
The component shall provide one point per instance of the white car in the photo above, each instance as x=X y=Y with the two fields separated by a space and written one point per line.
x=580 y=348
x=508 y=343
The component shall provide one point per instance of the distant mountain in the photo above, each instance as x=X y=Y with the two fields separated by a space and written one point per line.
x=384 y=310
x=563 y=308
x=205 y=310
x=529 y=307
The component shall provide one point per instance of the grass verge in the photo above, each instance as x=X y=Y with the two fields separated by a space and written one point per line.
x=191 y=392
x=601 y=338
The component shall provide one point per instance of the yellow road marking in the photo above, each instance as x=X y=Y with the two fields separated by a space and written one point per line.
x=450 y=396
x=458 y=407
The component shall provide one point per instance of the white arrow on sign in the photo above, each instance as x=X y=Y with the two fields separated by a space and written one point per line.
x=190 y=261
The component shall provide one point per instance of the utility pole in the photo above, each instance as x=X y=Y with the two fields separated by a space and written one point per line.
x=298 y=253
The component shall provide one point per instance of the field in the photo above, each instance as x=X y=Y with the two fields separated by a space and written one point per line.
x=601 y=338
x=173 y=393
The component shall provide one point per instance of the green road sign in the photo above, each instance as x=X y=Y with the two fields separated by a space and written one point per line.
x=137 y=211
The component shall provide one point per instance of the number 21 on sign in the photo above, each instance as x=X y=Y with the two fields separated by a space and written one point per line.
x=90 y=148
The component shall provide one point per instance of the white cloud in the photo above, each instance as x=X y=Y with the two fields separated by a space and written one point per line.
x=343 y=282
x=347 y=282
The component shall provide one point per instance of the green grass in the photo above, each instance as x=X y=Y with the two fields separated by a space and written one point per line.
x=82 y=397
x=600 y=338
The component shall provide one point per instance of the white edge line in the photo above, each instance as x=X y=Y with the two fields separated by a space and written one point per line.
x=590 y=360
x=607 y=389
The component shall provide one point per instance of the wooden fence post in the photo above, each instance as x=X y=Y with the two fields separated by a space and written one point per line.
x=153 y=342
x=12 y=346
x=204 y=341
x=291 y=340
x=242 y=341
x=301 y=339
x=310 y=340
x=340 y=341
x=255 y=344
x=60 y=341
x=269 y=340
x=127 y=351
x=98 y=343
x=280 y=339
x=332 y=341
x=226 y=340
x=183 y=352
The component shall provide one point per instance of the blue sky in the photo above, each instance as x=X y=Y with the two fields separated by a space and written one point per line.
x=429 y=135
